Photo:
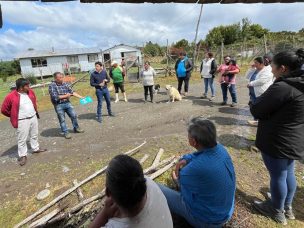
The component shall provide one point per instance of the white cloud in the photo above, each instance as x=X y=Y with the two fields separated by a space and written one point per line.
x=72 y=24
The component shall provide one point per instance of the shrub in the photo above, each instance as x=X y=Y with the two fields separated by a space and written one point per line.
x=32 y=79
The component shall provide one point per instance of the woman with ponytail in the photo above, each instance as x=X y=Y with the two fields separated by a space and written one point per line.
x=280 y=133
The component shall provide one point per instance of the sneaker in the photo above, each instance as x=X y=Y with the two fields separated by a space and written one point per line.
x=22 y=160
x=253 y=123
x=186 y=94
x=267 y=210
x=111 y=114
x=288 y=209
x=211 y=98
x=289 y=213
x=204 y=96
x=224 y=103
x=68 y=136
x=116 y=100
x=99 y=120
x=126 y=100
x=233 y=104
x=78 y=130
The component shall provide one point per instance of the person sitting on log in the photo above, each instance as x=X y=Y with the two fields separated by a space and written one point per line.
x=132 y=200
x=206 y=179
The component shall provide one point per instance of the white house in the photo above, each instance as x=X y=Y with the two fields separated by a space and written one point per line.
x=43 y=62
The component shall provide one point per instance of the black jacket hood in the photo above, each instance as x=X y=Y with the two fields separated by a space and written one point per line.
x=295 y=79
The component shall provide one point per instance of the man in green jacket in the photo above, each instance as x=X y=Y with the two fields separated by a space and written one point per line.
x=117 y=74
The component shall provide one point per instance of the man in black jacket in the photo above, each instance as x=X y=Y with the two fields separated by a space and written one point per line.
x=280 y=134
x=183 y=68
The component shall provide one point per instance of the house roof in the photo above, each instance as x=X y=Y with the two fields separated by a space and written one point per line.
x=57 y=52
x=187 y=1
x=64 y=52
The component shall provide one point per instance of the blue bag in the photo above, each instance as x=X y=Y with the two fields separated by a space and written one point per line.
x=86 y=100
x=181 y=69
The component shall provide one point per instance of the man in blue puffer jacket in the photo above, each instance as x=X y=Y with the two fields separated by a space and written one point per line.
x=183 y=68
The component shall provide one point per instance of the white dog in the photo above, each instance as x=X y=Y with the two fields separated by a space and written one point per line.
x=173 y=94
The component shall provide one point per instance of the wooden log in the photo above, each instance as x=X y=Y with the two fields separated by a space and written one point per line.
x=69 y=191
x=40 y=222
x=162 y=163
x=169 y=163
x=144 y=158
x=78 y=191
x=157 y=157
x=162 y=170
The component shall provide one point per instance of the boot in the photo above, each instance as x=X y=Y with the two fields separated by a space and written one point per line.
x=116 y=96
x=125 y=97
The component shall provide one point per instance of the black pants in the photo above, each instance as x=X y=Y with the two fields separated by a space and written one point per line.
x=120 y=86
x=150 y=89
x=180 y=84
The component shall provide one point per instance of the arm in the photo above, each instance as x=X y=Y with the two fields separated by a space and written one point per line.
x=92 y=81
x=111 y=73
x=190 y=66
x=262 y=79
x=6 y=107
x=110 y=210
x=107 y=77
x=54 y=94
x=201 y=68
x=270 y=101
x=213 y=68
x=77 y=95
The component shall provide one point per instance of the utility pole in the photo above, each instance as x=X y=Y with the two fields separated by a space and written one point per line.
x=196 y=32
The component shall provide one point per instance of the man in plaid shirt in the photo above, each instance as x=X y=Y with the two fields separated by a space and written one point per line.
x=60 y=94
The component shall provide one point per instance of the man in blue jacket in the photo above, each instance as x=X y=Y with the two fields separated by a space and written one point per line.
x=99 y=79
x=206 y=179
x=183 y=68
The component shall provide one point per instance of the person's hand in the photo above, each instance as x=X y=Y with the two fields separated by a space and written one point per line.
x=182 y=163
x=101 y=84
x=110 y=209
x=106 y=80
x=248 y=86
x=68 y=95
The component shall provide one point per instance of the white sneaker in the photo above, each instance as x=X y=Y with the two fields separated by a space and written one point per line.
x=126 y=100
x=116 y=101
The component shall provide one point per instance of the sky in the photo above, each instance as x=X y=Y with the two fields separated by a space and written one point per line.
x=73 y=24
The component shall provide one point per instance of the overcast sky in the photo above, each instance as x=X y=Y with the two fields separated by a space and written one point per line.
x=72 y=24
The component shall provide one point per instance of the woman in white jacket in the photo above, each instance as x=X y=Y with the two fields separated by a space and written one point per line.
x=260 y=78
x=208 y=70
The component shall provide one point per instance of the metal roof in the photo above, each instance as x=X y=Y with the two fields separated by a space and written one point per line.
x=32 y=53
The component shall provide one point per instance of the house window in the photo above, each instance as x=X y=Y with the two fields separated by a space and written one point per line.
x=73 y=59
x=93 y=58
x=41 y=62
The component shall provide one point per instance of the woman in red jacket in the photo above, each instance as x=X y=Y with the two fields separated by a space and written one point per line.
x=21 y=107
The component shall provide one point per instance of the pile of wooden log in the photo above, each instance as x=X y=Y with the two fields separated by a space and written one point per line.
x=157 y=168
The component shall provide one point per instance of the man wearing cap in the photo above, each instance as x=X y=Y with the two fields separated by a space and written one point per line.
x=99 y=79
x=21 y=107
x=117 y=74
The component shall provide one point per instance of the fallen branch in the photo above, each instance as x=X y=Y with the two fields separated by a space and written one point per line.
x=144 y=158
x=78 y=190
x=69 y=191
x=162 y=170
x=79 y=206
x=158 y=156
x=44 y=219
x=152 y=169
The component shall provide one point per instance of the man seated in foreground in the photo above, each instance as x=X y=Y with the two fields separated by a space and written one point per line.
x=132 y=200
x=206 y=179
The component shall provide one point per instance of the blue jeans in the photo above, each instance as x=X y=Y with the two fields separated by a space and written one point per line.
x=232 y=91
x=100 y=93
x=283 y=182
x=178 y=206
x=67 y=108
x=209 y=81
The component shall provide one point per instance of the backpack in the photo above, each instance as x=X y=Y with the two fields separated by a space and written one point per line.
x=181 y=69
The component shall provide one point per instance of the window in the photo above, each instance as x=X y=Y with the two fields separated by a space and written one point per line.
x=93 y=58
x=73 y=59
x=41 y=62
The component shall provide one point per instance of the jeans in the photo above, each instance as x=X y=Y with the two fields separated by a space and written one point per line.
x=180 y=84
x=283 y=182
x=178 y=206
x=67 y=108
x=232 y=91
x=209 y=81
x=100 y=93
x=150 y=90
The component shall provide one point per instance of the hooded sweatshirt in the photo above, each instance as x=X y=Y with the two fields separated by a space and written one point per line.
x=280 y=111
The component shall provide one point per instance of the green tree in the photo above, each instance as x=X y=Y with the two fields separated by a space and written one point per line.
x=152 y=49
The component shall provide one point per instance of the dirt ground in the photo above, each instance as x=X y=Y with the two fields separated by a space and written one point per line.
x=161 y=124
